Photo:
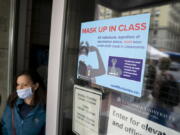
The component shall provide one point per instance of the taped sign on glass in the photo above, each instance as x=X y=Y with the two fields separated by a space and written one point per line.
x=122 y=122
x=112 y=52
x=86 y=109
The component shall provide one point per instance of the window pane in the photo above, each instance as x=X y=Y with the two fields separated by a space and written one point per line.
x=160 y=98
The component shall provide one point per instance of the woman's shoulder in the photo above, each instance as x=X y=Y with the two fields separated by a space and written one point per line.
x=40 y=109
x=11 y=101
x=7 y=107
x=6 y=112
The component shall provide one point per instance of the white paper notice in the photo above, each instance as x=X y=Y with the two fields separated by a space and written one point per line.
x=122 y=122
x=86 y=111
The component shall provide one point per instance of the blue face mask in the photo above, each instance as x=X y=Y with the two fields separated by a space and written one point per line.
x=24 y=93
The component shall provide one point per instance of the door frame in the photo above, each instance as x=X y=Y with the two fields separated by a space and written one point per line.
x=54 y=67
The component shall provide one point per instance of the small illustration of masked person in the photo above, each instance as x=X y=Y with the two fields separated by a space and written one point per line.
x=85 y=70
x=113 y=70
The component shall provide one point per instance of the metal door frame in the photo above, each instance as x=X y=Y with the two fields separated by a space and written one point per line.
x=54 y=67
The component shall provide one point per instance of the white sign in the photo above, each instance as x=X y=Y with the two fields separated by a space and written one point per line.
x=122 y=122
x=86 y=109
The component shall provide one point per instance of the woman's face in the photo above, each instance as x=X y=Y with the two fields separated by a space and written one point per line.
x=24 y=81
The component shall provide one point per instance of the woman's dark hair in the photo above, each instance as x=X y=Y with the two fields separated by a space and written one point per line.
x=39 y=94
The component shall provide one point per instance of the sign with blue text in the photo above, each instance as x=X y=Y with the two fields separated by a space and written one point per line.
x=112 y=52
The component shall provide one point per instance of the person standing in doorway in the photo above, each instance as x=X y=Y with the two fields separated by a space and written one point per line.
x=25 y=110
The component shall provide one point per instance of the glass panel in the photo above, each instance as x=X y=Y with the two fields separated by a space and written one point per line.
x=4 y=49
x=159 y=103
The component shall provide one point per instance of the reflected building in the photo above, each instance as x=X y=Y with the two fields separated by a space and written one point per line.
x=103 y=12
x=164 y=25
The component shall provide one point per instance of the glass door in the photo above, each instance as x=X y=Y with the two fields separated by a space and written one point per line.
x=6 y=49
x=139 y=96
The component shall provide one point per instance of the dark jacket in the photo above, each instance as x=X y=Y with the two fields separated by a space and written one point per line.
x=32 y=124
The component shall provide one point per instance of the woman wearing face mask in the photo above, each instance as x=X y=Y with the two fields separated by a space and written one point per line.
x=25 y=110
x=85 y=70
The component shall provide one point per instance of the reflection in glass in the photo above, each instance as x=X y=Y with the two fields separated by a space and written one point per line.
x=160 y=100
x=161 y=94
